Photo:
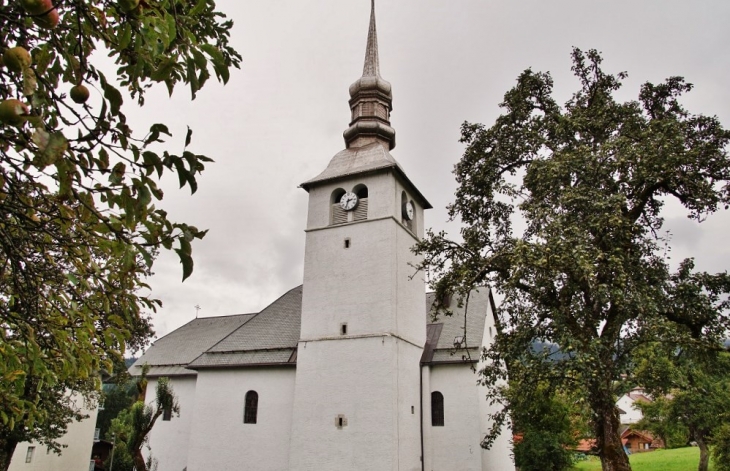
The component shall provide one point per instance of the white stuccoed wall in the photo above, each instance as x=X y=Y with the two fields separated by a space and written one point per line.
x=359 y=379
x=370 y=376
x=169 y=440
x=499 y=456
x=633 y=414
x=455 y=446
x=219 y=439
x=79 y=439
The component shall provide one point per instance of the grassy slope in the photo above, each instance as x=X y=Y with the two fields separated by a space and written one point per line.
x=678 y=459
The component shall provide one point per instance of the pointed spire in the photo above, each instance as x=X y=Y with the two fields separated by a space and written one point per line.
x=371 y=100
x=372 y=64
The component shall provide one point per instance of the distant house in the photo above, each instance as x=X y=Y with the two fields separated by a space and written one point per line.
x=629 y=412
x=637 y=441
x=78 y=441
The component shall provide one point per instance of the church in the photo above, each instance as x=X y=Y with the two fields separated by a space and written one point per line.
x=350 y=370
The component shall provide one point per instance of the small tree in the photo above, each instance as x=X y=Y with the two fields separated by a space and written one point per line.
x=693 y=390
x=657 y=419
x=130 y=429
x=721 y=448
x=544 y=420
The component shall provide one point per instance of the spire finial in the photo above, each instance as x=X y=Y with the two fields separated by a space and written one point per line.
x=372 y=64
x=371 y=100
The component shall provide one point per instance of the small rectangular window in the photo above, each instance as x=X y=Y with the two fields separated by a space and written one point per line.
x=29 y=454
x=167 y=413
x=343 y=329
x=347 y=243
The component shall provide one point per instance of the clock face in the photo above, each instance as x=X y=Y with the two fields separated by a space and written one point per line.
x=408 y=211
x=348 y=201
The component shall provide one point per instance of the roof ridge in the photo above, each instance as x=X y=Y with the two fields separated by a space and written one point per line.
x=227 y=315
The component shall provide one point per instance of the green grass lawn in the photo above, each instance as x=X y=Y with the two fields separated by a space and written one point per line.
x=678 y=459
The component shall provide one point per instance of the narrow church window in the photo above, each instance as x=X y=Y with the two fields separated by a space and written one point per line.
x=251 y=409
x=29 y=454
x=347 y=243
x=437 y=409
x=343 y=329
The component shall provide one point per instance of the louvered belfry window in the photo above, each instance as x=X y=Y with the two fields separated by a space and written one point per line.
x=360 y=213
x=251 y=409
x=437 y=409
x=339 y=215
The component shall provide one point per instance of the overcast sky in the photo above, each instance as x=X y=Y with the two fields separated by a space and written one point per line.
x=280 y=119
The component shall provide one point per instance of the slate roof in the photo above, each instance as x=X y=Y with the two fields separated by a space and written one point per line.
x=452 y=326
x=270 y=338
x=169 y=355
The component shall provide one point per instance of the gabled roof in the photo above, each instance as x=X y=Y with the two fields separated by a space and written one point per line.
x=443 y=333
x=271 y=337
x=169 y=355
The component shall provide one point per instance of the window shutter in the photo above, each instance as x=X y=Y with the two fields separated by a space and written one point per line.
x=361 y=211
x=339 y=215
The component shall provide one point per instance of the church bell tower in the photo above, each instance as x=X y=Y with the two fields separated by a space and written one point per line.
x=356 y=398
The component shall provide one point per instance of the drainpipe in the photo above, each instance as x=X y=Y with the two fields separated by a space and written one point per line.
x=420 y=389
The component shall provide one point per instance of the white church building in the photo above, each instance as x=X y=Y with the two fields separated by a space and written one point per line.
x=344 y=372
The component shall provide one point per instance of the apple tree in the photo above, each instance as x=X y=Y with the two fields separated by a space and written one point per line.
x=80 y=215
x=588 y=274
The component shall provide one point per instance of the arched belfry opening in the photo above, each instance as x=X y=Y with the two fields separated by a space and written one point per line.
x=349 y=206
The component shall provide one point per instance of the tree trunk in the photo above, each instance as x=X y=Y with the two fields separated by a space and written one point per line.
x=138 y=459
x=606 y=427
x=7 y=448
x=704 y=452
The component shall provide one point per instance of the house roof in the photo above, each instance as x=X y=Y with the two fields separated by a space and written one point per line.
x=270 y=338
x=641 y=434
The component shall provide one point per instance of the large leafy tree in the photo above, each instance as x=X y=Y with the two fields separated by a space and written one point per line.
x=80 y=223
x=588 y=272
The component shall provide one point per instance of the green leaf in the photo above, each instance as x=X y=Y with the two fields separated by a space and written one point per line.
x=126 y=37
x=198 y=8
x=188 y=137
x=112 y=95
x=117 y=175
x=187 y=263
